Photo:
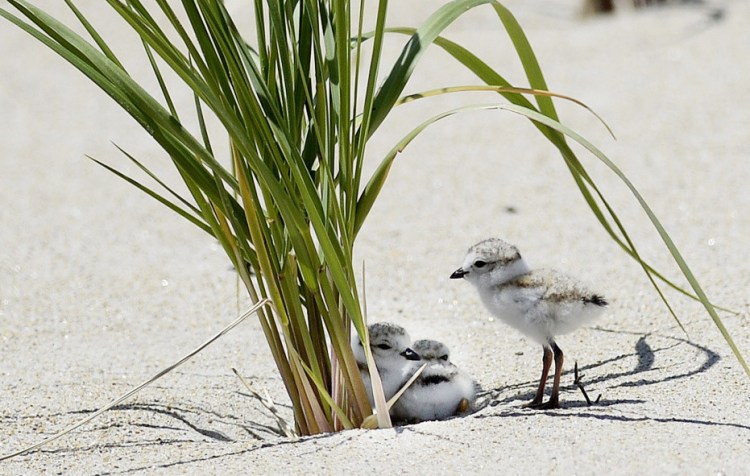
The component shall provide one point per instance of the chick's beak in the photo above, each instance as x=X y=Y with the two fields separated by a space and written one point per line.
x=459 y=273
x=410 y=355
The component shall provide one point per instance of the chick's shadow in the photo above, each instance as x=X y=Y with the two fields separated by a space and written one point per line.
x=646 y=358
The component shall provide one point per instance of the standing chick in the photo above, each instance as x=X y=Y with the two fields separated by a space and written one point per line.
x=541 y=304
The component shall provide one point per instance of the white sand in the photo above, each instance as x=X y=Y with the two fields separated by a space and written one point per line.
x=100 y=286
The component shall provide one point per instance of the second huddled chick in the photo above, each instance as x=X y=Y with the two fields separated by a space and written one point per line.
x=441 y=391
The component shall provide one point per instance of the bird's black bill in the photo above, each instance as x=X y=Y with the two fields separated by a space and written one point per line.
x=411 y=355
x=459 y=273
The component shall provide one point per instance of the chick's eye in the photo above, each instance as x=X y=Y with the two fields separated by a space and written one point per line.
x=383 y=346
x=480 y=264
x=444 y=357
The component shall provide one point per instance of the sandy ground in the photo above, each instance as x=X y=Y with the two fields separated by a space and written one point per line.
x=100 y=287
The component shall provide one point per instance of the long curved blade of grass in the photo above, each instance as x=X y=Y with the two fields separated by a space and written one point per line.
x=629 y=247
x=162 y=85
x=491 y=77
x=527 y=57
x=546 y=107
x=500 y=89
x=359 y=135
x=536 y=116
x=373 y=187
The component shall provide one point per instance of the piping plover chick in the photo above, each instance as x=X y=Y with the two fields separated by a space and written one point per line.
x=541 y=303
x=441 y=390
x=396 y=362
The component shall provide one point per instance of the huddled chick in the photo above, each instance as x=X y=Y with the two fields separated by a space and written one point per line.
x=396 y=362
x=441 y=391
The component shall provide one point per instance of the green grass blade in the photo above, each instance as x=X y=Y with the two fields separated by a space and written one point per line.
x=502 y=90
x=134 y=99
x=164 y=201
x=160 y=80
x=161 y=183
x=94 y=34
x=202 y=125
x=369 y=99
x=323 y=392
x=412 y=52
x=527 y=57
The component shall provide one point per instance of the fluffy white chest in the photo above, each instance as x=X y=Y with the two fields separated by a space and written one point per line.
x=549 y=307
x=391 y=379
x=520 y=309
x=435 y=401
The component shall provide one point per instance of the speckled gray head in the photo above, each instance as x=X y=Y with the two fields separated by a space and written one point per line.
x=437 y=357
x=431 y=350
x=388 y=342
x=386 y=330
x=491 y=261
